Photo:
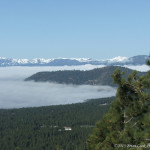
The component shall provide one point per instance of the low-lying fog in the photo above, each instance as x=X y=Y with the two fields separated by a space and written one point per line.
x=16 y=93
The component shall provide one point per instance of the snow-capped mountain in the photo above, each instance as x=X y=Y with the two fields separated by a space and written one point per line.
x=136 y=60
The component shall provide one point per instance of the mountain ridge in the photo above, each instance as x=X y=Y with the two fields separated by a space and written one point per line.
x=135 y=60
x=98 y=76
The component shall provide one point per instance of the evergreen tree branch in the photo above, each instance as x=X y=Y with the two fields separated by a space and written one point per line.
x=135 y=124
x=128 y=120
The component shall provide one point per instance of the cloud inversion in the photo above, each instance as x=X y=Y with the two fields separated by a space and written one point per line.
x=16 y=93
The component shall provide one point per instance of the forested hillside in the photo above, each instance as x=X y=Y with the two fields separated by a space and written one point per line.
x=100 y=76
x=45 y=128
x=127 y=123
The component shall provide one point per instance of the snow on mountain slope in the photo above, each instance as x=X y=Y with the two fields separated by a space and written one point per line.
x=136 y=60
x=119 y=59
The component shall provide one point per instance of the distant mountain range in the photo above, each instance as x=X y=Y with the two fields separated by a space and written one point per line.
x=136 y=60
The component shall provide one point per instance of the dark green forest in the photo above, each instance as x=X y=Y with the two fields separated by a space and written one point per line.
x=42 y=128
x=100 y=76
x=72 y=126
x=127 y=123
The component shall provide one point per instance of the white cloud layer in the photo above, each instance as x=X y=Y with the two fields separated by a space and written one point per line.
x=20 y=73
x=15 y=93
x=142 y=68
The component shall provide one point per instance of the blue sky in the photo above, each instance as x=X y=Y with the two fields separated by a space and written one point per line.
x=97 y=29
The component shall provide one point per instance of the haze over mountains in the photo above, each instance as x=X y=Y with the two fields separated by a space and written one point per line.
x=135 y=60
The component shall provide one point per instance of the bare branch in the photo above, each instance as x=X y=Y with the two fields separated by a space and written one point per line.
x=129 y=120
x=134 y=124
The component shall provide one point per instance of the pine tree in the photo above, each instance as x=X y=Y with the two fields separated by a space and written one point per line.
x=17 y=148
x=128 y=121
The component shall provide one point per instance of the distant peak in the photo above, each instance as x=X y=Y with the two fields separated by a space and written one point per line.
x=118 y=59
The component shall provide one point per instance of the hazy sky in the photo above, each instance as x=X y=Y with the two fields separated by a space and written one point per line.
x=96 y=29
